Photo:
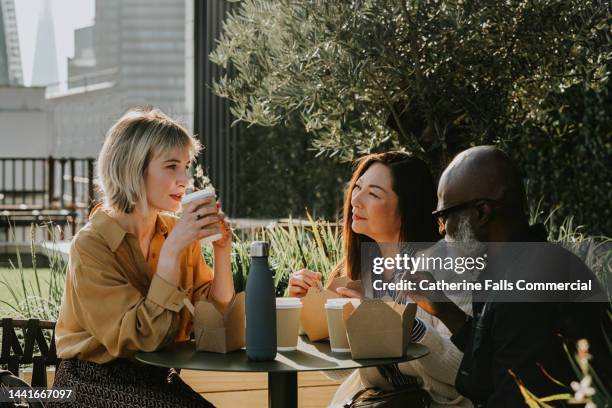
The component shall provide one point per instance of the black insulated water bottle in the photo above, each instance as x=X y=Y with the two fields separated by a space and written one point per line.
x=260 y=306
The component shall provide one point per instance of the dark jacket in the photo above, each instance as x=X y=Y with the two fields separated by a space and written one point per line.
x=522 y=337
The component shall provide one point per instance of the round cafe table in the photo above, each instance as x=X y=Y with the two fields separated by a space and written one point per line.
x=282 y=372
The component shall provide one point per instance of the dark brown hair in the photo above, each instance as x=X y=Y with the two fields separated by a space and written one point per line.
x=416 y=192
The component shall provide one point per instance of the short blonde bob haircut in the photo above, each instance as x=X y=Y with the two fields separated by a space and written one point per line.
x=130 y=144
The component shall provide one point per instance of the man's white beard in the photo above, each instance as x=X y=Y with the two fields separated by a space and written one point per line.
x=465 y=238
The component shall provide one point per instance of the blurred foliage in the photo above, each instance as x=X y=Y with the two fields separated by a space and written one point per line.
x=280 y=175
x=35 y=297
x=434 y=77
x=589 y=390
x=594 y=251
x=294 y=245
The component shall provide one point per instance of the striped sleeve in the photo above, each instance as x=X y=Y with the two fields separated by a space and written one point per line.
x=418 y=330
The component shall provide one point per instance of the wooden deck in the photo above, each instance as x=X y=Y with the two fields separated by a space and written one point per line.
x=251 y=390
x=229 y=390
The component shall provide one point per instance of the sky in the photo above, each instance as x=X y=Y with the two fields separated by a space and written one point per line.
x=67 y=16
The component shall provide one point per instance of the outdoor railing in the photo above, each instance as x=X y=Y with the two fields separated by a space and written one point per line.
x=36 y=189
x=46 y=183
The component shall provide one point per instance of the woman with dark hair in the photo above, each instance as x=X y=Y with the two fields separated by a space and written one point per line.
x=389 y=200
x=388 y=209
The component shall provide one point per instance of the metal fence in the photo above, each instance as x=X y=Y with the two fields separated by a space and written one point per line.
x=36 y=189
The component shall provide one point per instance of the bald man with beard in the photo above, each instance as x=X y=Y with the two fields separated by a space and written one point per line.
x=481 y=200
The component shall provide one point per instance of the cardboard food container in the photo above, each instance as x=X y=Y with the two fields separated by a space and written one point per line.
x=312 y=317
x=220 y=332
x=379 y=329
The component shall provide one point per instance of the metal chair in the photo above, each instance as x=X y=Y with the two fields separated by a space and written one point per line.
x=13 y=354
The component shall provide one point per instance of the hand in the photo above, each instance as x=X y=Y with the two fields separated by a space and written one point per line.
x=431 y=301
x=436 y=303
x=349 y=293
x=302 y=280
x=225 y=242
x=199 y=220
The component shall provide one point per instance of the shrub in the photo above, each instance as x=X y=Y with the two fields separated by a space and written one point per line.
x=294 y=245
x=434 y=77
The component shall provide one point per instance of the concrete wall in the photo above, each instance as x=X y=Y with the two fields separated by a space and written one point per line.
x=23 y=122
x=78 y=121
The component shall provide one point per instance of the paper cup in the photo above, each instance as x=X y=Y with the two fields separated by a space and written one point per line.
x=287 y=323
x=338 y=339
x=196 y=195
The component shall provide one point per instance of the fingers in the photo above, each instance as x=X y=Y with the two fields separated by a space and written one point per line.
x=349 y=293
x=226 y=224
x=311 y=281
x=203 y=211
x=206 y=210
x=307 y=278
x=302 y=280
x=225 y=229
x=208 y=221
x=299 y=283
x=296 y=291
x=207 y=232
x=310 y=274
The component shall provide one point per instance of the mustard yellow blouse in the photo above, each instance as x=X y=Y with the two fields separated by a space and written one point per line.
x=114 y=304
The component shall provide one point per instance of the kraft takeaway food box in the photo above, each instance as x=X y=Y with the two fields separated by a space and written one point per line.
x=377 y=328
x=220 y=331
x=312 y=317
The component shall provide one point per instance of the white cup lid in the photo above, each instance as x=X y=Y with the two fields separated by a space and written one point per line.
x=338 y=303
x=288 y=303
x=207 y=192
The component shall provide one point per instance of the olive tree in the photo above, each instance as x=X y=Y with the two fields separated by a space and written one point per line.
x=434 y=77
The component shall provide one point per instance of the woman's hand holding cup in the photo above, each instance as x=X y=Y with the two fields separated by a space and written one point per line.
x=200 y=219
x=302 y=280
x=219 y=231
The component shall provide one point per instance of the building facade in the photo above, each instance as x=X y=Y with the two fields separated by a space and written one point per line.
x=11 y=73
x=134 y=55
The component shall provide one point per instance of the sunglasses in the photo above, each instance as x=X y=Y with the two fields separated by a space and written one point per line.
x=442 y=215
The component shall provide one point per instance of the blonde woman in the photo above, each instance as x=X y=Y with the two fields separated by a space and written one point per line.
x=133 y=269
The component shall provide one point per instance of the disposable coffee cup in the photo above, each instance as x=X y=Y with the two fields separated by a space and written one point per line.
x=196 y=195
x=338 y=339
x=287 y=323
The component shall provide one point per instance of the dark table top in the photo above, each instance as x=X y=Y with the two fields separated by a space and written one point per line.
x=308 y=357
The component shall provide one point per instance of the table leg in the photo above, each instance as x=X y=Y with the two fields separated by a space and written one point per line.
x=282 y=390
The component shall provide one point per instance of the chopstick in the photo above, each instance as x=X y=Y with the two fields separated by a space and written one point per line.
x=397 y=298
x=189 y=306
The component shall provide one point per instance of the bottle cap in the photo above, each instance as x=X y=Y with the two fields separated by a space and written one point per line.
x=259 y=248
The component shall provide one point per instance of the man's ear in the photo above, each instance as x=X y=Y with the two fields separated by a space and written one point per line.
x=484 y=211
